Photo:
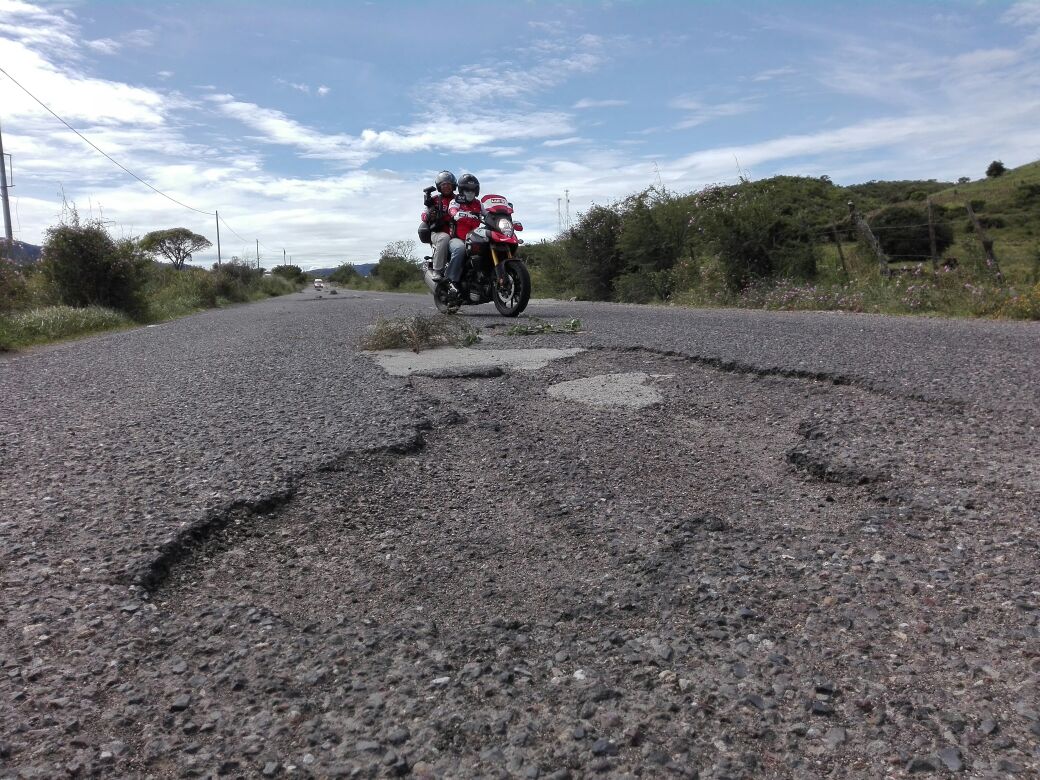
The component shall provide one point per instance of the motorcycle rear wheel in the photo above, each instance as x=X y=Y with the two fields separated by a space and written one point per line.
x=512 y=298
x=440 y=300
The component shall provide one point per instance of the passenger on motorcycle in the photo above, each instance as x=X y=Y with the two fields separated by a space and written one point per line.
x=465 y=213
x=439 y=219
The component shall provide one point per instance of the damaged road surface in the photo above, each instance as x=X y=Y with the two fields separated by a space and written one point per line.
x=241 y=556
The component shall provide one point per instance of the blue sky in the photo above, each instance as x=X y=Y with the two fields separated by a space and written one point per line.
x=314 y=129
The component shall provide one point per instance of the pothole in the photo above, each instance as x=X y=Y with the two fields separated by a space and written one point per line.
x=631 y=390
x=398 y=362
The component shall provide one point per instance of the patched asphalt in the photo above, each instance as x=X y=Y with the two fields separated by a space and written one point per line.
x=234 y=545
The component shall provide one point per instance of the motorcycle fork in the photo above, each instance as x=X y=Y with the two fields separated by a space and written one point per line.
x=500 y=268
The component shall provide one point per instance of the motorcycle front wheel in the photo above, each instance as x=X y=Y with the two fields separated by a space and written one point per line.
x=512 y=295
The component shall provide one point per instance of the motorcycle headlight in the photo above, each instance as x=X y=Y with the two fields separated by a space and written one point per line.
x=504 y=226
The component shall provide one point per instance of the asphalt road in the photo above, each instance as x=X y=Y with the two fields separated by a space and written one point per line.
x=232 y=544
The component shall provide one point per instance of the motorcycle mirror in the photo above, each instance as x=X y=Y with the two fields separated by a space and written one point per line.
x=518 y=226
x=428 y=190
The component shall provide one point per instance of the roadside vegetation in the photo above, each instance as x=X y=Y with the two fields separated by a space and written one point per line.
x=418 y=333
x=791 y=243
x=398 y=270
x=89 y=281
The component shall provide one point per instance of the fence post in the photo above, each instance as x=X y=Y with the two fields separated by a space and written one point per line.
x=841 y=252
x=931 y=238
x=987 y=243
x=869 y=237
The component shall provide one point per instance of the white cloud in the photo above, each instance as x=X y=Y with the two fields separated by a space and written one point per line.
x=103 y=46
x=590 y=103
x=774 y=73
x=563 y=141
x=323 y=90
x=699 y=113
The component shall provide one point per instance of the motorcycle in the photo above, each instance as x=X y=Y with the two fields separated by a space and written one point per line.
x=491 y=269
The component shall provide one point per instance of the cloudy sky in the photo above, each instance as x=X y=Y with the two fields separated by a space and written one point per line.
x=314 y=130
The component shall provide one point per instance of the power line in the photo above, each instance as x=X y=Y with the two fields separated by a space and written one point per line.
x=103 y=153
x=232 y=229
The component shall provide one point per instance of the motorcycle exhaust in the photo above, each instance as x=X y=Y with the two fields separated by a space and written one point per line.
x=428 y=278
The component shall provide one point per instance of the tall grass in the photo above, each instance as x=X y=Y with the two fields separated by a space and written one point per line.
x=55 y=323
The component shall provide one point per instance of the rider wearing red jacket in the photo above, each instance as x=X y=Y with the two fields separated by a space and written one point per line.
x=465 y=213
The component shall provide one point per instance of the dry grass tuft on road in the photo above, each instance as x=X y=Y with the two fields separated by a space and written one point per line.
x=418 y=333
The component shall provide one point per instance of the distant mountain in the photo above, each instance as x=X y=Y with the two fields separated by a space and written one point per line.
x=323 y=273
x=23 y=253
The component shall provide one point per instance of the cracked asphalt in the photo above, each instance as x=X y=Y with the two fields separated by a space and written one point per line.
x=232 y=545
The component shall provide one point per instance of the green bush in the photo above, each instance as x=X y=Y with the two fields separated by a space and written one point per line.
x=591 y=247
x=13 y=286
x=87 y=267
x=902 y=232
x=755 y=231
x=293 y=273
x=235 y=281
x=345 y=274
x=396 y=271
x=644 y=286
x=276 y=285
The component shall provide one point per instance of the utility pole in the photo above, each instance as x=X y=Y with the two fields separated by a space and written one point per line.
x=218 y=237
x=258 y=254
x=559 y=215
x=283 y=257
x=3 y=196
x=567 y=204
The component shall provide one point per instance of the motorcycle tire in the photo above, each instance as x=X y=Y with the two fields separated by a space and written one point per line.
x=514 y=298
x=444 y=306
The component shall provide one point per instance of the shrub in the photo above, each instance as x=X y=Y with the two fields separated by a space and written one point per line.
x=235 y=280
x=293 y=273
x=345 y=274
x=13 y=287
x=591 y=248
x=644 y=286
x=755 y=233
x=88 y=268
x=394 y=272
x=418 y=333
x=276 y=285
x=902 y=232
x=995 y=169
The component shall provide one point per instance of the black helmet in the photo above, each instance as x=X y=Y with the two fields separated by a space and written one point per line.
x=445 y=176
x=468 y=184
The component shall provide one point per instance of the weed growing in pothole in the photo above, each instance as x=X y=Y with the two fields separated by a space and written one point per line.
x=418 y=333
x=536 y=326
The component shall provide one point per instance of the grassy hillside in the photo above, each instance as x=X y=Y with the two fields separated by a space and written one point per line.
x=1009 y=208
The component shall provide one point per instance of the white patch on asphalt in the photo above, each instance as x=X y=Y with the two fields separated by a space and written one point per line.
x=402 y=362
x=630 y=390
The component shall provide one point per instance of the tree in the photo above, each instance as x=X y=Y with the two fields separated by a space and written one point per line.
x=400 y=250
x=995 y=169
x=963 y=180
x=176 y=244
